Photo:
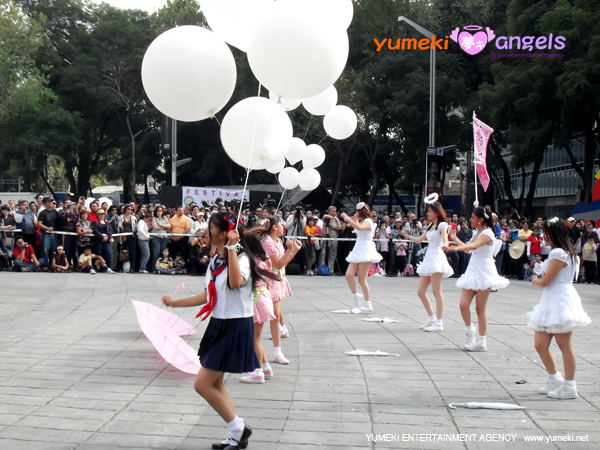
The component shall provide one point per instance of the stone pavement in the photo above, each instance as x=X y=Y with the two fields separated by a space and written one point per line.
x=77 y=373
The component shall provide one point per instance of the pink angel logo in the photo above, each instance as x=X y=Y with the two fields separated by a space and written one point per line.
x=472 y=43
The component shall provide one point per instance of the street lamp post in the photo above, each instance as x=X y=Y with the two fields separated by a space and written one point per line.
x=429 y=35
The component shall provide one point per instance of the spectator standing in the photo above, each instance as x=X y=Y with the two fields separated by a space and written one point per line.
x=144 y=238
x=48 y=221
x=102 y=237
x=414 y=228
x=589 y=260
x=84 y=232
x=382 y=237
x=160 y=228
x=7 y=224
x=332 y=226
x=180 y=224
x=27 y=223
x=400 y=248
x=24 y=257
x=127 y=224
x=68 y=223
x=574 y=233
x=309 y=232
x=94 y=211
x=465 y=233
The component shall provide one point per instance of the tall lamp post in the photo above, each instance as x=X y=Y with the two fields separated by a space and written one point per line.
x=427 y=34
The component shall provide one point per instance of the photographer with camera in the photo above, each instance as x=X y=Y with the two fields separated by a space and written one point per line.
x=24 y=257
x=414 y=228
x=331 y=229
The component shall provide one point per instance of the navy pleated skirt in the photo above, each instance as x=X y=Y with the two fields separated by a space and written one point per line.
x=228 y=346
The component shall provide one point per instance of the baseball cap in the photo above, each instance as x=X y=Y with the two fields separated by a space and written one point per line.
x=48 y=199
x=571 y=219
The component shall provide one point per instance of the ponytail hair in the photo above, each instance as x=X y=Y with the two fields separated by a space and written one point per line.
x=265 y=228
x=485 y=214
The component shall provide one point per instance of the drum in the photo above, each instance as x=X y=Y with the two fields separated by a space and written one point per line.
x=516 y=249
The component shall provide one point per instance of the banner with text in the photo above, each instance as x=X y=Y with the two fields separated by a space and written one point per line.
x=210 y=194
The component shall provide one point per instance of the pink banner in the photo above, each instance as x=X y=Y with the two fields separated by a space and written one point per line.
x=481 y=136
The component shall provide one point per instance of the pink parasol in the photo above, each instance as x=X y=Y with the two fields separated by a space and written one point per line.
x=174 y=322
x=167 y=342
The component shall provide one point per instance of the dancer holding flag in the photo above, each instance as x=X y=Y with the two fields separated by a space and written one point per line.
x=228 y=342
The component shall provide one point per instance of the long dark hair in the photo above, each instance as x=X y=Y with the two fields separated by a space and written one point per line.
x=556 y=231
x=439 y=211
x=225 y=222
x=266 y=227
x=481 y=213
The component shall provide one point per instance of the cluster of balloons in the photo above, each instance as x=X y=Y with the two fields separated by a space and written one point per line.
x=297 y=49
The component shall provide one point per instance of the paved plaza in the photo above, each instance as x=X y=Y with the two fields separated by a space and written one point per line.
x=77 y=373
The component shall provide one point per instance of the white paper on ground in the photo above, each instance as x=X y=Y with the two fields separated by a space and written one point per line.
x=384 y=320
x=340 y=311
x=486 y=405
x=359 y=352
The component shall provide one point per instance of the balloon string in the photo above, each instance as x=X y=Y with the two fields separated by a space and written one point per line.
x=217 y=119
x=307 y=125
x=326 y=136
x=290 y=200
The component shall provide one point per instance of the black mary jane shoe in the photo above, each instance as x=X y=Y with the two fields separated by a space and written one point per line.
x=242 y=443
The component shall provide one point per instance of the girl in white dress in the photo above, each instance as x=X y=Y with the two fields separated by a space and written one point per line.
x=435 y=265
x=558 y=312
x=480 y=277
x=362 y=256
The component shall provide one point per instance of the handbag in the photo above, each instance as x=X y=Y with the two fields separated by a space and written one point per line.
x=124 y=255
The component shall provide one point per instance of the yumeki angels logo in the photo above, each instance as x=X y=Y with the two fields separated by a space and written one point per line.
x=472 y=43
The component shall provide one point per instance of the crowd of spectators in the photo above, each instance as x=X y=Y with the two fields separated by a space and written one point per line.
x=66 y=236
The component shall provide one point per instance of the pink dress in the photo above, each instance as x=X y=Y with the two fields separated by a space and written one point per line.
x=279 y=289
x=263 y=305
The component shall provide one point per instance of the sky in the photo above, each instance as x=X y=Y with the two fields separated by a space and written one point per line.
x=146 y=5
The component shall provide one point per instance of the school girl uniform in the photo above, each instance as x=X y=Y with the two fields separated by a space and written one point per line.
x=228 y=342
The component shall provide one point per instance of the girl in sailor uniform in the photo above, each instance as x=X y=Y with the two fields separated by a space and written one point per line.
x=228 y=342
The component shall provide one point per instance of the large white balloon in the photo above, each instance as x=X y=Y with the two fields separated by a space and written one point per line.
x=296 y=150
x=331 y=13
x=288 y=178
x=340 y=122
x=314 y=155
x=288 y=104
x=309 y=179
x=188 y=73
x=277 y=167
x=233 y=20
x=88 y=202
x=321 y=104
x=294 y=56
x=256 y=133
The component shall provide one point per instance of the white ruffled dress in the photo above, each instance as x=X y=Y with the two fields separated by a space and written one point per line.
x=364 y=249
x=481 y=273
x=435 y=260
x=560 y=309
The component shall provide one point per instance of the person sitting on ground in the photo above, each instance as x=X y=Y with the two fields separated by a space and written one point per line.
x=164 y=264
x=179 y=264
x=87 y=262
x=24 y=257
x=59 y=261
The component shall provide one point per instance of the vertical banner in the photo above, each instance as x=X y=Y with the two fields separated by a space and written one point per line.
x=481 y=136
x=434 y=170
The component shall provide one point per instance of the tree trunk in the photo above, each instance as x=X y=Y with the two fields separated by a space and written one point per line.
x=133 y=174
x=588 y=165
x=399 y=200
x=146 y=192
x=344 y=156
x=505 y=172
x=523 y=178
x=531 y=194
x=71 y=177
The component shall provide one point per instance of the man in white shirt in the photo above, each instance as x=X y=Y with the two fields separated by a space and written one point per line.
x=143 y=236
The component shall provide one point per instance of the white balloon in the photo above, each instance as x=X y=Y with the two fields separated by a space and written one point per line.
x=340 y=122
x=321 y=104
x=309 y=179
x=314 y=155
x=105 y=200
x=256 y=133
x=288 y=178
x=293 y=56
x=277 y=167
x=188 y=73
x=288 y=104
x=233 y=20
x=296 y=150
x=331 y=13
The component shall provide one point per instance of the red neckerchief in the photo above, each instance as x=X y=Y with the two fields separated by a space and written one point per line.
x=212 y=290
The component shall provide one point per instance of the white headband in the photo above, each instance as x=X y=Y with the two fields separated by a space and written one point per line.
x=553 y=220
x=432 y=198
x=485 y=214
x=361 y=205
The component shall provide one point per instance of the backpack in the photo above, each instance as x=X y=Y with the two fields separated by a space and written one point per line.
x=409 y=271
x=323 y=269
